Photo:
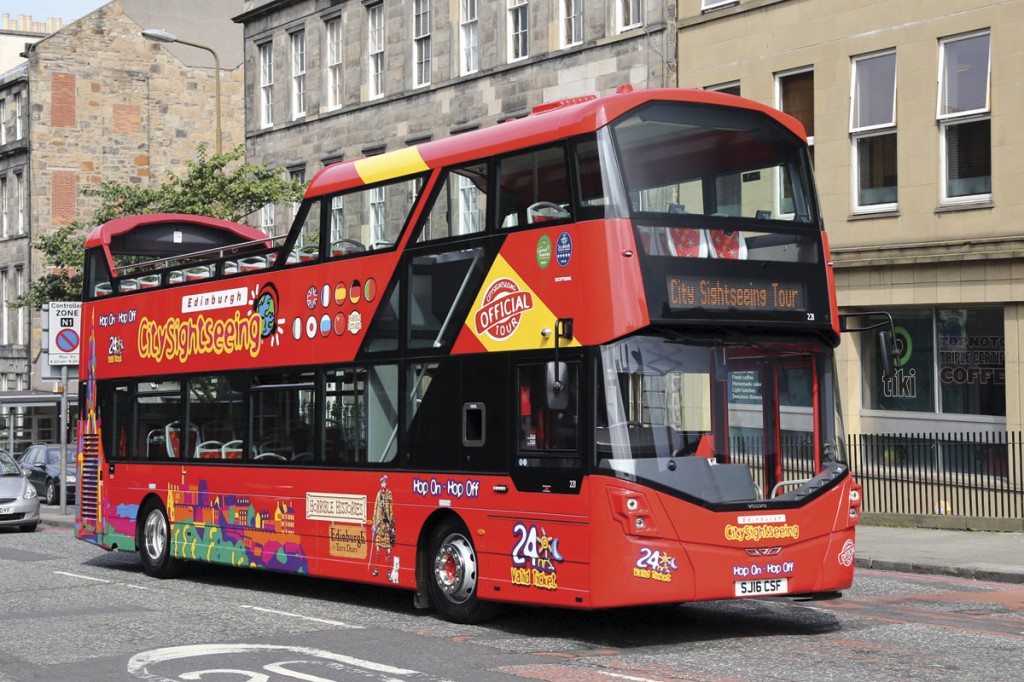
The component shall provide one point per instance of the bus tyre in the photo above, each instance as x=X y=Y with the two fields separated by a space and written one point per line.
x=155 y=544
x=453 y=572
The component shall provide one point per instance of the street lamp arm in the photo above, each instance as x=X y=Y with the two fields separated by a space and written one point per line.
x=160 y=35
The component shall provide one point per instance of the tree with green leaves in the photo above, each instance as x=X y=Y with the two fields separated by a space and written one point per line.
x=221 y=186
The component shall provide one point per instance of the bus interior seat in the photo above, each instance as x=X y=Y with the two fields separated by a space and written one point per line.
x=231 y=450
x=210 y=449
x=172 y=438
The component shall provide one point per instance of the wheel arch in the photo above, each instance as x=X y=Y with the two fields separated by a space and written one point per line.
x=421 y=599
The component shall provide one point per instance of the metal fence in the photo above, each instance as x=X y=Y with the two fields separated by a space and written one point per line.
x=961 y=474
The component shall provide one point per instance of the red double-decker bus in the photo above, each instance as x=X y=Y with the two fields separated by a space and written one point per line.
x=583 y=359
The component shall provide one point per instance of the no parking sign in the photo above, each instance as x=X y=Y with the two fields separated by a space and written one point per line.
x=65 y=336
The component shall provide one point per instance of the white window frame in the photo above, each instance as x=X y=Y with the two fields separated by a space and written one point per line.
x=19 y=202
x=570 y=19
x=19 y=130
x=267 y=218
x=375 y=51
x=724 y=87
x=421 y=48
x=337 y=224
x=862 y=131
x=3 y=121
x=948 y=120
x=378 y=219
x=21 y=333
x=470 y=220
x=298 y=50
x=780 y=104
x=5 y=323
x=518 y=30
x=266 y=51
x=469 y=37
x=335 y=63
x=299 y=174
x=5 y=221
x=629 y=14
x=706 y=5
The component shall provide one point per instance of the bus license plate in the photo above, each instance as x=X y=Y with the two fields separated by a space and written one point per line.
x=758 y=588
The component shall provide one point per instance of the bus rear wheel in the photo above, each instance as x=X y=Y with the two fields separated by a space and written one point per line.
x=453 y=574
x=155 y=544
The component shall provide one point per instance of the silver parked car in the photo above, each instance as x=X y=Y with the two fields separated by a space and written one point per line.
x=19 y=501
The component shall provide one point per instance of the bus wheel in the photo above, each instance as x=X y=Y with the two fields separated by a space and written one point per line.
x=155 y=544
x=453 y=576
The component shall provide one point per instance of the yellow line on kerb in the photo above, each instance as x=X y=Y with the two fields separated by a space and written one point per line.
x=390 y=165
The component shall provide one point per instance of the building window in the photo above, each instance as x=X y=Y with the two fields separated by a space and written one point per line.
x=298 y=74
x=5 y=330
x=965 y=118
x=335 y=70
x=963 y=349
x=572 y=22
x=518 y=30
x=377 y=216
x=873 y=132
x=730 y=88
x=18 y=129
x=266 y=85
x=468 y=31
x=4 y=209
x=376 y=51
x=421 y=42
x=628 y=14
x=19 y=202
x=712 y=4
x=3 y=121
x=297 y=175
x=795 y=95
x=19 y=282
x=267 y=218
x=337 y=219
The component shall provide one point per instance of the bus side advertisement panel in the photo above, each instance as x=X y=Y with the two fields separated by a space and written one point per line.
x=267 y=319
x=569 y=271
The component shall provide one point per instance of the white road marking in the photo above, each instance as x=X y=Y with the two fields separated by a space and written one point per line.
x=83 y=577
x=337 y=623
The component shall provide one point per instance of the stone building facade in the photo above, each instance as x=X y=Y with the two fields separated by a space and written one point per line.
x=101 y=103
x=328 y=80
x=915 y=111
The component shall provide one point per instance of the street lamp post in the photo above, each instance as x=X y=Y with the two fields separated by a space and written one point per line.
x=163 y=36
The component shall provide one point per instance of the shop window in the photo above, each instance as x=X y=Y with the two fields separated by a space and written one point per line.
x=962 y=348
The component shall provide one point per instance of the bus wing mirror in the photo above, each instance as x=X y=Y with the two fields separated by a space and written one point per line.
x=869 y=321
x=888 y=357
x=557 y=386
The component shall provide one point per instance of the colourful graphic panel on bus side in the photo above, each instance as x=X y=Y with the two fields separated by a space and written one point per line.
x=270 y=318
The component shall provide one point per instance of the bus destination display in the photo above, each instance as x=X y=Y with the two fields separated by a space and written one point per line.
x=722 y=293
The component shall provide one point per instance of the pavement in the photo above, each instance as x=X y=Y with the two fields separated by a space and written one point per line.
x=977 y=555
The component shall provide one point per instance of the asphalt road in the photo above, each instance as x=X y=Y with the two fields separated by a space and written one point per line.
x=71 y=611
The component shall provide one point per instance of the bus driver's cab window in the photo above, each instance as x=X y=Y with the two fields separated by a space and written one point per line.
x=546 y=421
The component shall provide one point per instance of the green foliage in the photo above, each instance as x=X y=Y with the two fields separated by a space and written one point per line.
x=221 y=186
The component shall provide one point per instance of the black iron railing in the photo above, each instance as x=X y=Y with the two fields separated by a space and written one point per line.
x=962 y=474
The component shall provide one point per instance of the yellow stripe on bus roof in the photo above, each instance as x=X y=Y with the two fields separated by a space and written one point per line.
x=390 y=165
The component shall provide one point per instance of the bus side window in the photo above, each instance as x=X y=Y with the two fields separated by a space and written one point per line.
x=534 y=188
x=540 y=427
x=460 y=207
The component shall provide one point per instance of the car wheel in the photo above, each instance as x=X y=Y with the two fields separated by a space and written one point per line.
x=453 y=573
x=52 y=496
x=30 y=528
x=155 y=543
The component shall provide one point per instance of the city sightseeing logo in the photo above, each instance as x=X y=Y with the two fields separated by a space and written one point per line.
x=502 y=309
